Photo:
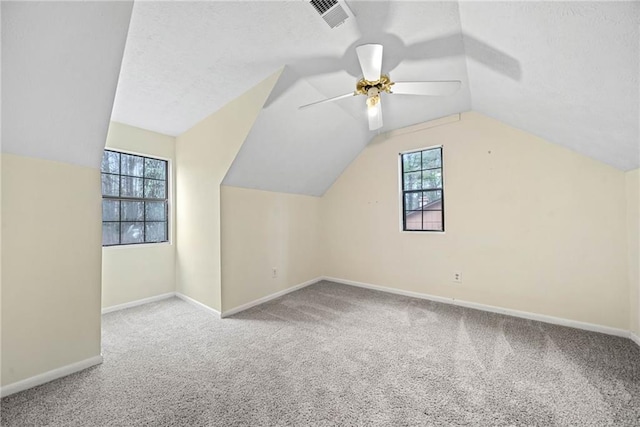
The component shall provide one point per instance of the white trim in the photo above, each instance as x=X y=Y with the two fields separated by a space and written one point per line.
x=197 y=303
x=493 y=309
x=633 y=337
x=138 y=153
x=262 y=300
x=415 y=150
x=54 y=374
x=136 y=245
x=138 y=302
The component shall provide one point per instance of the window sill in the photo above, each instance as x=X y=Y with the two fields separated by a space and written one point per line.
x=138 y=245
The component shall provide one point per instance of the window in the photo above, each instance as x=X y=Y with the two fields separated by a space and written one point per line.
x=134 y=199
x=422 y=190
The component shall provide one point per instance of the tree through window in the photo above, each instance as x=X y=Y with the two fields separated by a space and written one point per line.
x=422 y=190
x=134 y=199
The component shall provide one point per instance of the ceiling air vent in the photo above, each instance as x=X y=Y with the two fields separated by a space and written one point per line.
x=334 y=12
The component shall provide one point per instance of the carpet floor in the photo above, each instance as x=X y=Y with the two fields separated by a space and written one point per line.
x=331 y=354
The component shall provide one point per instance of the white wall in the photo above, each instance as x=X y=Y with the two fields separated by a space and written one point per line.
x=530 y=225
x=203 y=156
x=134 y=272
x=633 y=233
x=262 y=230
x=51 y=259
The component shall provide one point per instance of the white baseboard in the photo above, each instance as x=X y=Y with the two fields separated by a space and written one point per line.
x=510 y=312
x=138 y=302
x=197 y=303
x=50 y=376
x=633 y=337
x=262 y=300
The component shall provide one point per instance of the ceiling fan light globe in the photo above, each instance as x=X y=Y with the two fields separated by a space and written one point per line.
x=375 y=116
x=372 y=101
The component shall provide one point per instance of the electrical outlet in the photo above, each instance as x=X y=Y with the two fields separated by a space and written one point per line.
x=274 y=272
x=457 y=277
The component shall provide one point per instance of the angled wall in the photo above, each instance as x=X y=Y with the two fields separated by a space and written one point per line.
x=530 y=225
x=203 y=156
x=60 y=67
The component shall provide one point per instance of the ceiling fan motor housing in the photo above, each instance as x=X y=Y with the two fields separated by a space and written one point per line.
x=363 y=87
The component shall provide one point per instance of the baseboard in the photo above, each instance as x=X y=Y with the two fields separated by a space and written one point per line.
x=138 y=302
x=493 y=309
x=50 y=376
x=633 y=337
x=262 y=300
x=197 y=303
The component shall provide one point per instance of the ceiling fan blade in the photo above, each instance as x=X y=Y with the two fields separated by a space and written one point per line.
x=426 y=88
x=370 y=57
x=335 y=98
x=375 y=116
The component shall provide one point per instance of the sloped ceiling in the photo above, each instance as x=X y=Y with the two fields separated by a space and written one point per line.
x=565 y=71
x=580 y=68
x=60 y=66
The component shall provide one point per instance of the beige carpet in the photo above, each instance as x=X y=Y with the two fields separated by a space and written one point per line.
x=332 y=354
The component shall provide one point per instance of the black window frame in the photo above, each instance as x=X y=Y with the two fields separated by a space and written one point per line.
x=404 y=192
x=143 y=199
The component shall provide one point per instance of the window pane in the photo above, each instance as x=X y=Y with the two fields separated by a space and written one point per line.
x=432 y=178
x=132 y=165
x=109 y=185
x=431 y=159
x=154 y=189
x=423 y=220
x=131 y=187
x=432 y=220
x=156 y=211
x=156 y=231
x=110 y=210
x=132 y=211
x=132 y=232
x=110 y=162
x=431 y=200
x=155 y=168
x=411 y=162
x=110 y=233
x=412 y=201
x=413 y=181
x=413 y=220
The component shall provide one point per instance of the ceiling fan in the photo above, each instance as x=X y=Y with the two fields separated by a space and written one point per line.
x=373 y=83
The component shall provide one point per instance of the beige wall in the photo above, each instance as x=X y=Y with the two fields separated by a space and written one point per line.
x=203 y=155
x=633 y=233
x=531 y=226
x=51 y=258
x=262 y=230
x=134 y=272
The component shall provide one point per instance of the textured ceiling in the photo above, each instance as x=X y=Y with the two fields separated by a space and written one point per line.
x=580 y=67
x=184 y=61
x=565 y=71
x=60 y=64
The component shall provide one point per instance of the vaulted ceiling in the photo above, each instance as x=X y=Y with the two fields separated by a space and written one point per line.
x=60 y=64
x=565 y=71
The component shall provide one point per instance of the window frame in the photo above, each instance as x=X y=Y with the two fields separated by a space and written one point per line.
x=167 y=199
x=401 y=192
